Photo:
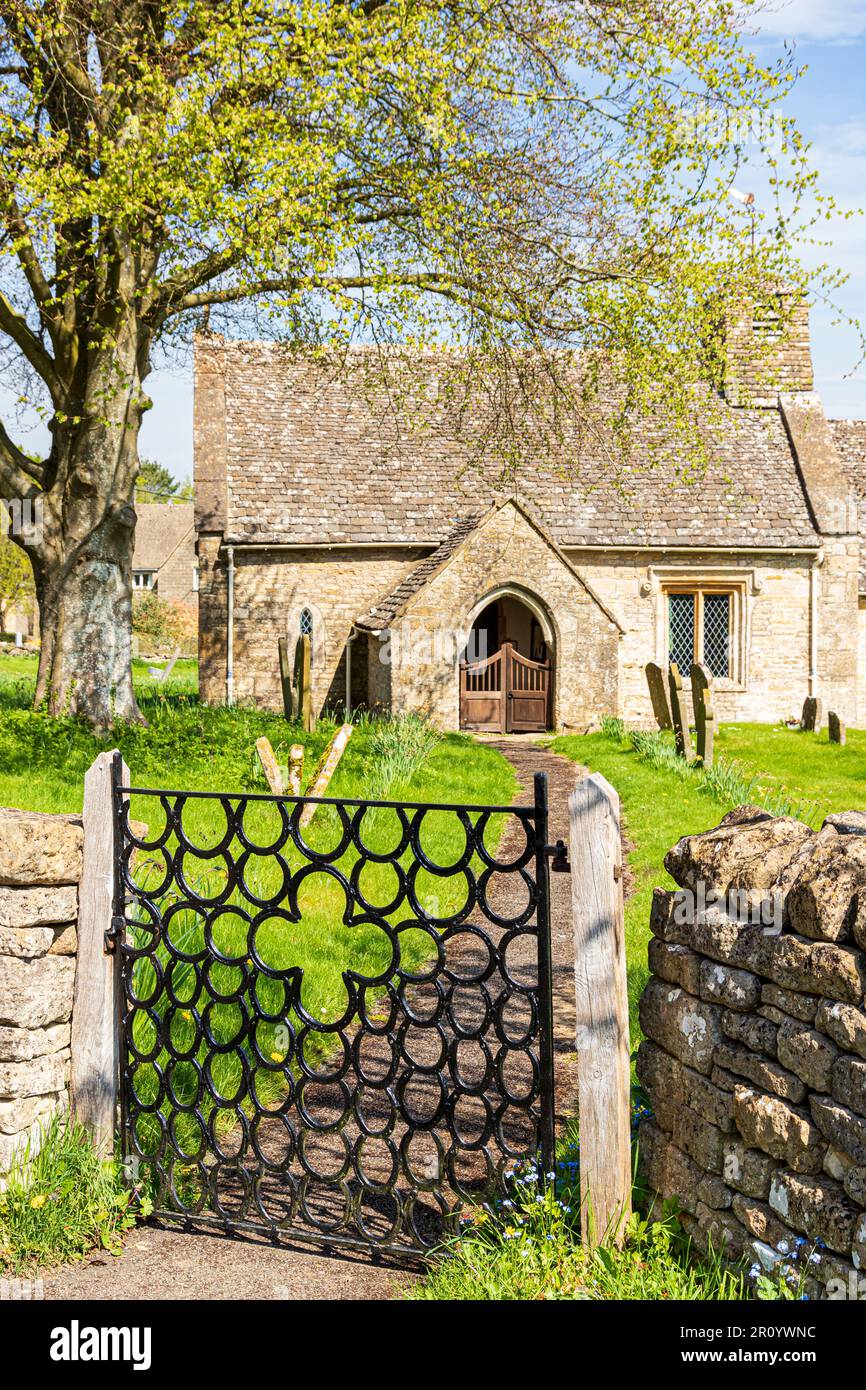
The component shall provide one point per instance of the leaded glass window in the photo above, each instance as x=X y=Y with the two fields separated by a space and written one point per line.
x=681 y=641
x=700 y=626
x=717 y=633
x=305 y=628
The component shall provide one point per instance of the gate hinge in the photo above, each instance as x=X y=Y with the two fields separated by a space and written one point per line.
x=114 y=934
x=559 y=857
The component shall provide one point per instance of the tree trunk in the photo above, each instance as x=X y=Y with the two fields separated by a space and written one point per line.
x=82 y=552
x=85 y=607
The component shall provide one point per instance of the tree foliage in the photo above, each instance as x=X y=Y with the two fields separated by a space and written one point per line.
x=16 y=577
x=515 y=178
x=528 y=171
x=154 y=483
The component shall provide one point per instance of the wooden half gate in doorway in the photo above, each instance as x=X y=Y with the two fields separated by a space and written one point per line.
x=505 y=693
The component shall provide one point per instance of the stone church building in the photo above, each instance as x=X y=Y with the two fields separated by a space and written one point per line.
x=426 y=584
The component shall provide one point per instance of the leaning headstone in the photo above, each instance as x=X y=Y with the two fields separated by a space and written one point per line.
x=702 y=699
x=658 y=694
x=286 y=681
x=682 y=733
x=270 y=766
x=161 y=675
x=325 y=771
x=835 y=727
x=811 y=717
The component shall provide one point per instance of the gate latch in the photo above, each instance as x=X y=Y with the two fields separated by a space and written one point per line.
x=559 y=858
x=113 y=935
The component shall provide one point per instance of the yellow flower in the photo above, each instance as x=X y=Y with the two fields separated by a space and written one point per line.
x=278 y=1056
x=186 y=1014
x=38 y=1201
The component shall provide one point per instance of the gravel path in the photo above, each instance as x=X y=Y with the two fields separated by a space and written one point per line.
x=167 y=1262
x=527 y=758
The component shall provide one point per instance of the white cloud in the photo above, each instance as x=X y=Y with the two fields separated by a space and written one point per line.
x=813 y=19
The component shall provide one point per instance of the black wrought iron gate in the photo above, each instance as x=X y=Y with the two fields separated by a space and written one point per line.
x=369 y=1111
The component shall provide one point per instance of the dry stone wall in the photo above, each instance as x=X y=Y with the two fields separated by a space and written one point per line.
x=40 y=867
x=754 y=1058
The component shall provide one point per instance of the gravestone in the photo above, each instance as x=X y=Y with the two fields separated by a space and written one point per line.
x=835 y=727
x=682 y=733
x=296 y=769
x=270 y=766
x=286 y=682
x=810 y=719
x=303 y=698
x=702 y=699
x=324 y=772
x=658 y=694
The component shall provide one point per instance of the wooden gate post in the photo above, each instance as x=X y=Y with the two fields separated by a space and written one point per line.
x=604 y=1074
x=95 y=1070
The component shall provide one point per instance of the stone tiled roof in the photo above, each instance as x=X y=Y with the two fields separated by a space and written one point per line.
x=311 y=461
x=383 y=613
x=850 y=439
x=159 y=529
x=388 y=608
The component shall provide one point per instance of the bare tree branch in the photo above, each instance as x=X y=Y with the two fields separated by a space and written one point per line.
x=16 y=327
x=17 y=471
x=435 y=283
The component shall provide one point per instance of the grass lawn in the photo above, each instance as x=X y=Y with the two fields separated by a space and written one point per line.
x=18 y=670
x=657 y=810
x=815 y=776
x=808 y=768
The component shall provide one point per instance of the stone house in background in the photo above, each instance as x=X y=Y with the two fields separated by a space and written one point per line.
x=426 y=585
x=164 y=559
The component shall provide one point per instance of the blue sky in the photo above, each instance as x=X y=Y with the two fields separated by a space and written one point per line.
x=829 y=103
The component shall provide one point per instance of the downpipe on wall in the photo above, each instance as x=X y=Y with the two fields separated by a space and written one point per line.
x=816 y=564
x=230 y=627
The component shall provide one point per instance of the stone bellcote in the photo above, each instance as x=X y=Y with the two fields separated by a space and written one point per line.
x=767 y=349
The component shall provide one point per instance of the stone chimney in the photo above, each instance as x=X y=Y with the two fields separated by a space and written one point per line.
x=767 y=349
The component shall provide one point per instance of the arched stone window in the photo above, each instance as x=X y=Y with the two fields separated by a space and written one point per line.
x=305 y=628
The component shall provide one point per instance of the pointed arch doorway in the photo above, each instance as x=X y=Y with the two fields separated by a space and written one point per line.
x=506 y=674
